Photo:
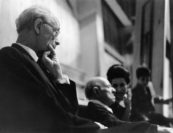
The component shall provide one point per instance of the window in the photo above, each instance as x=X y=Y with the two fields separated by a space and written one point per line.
x=112 y=29
x=146 y=34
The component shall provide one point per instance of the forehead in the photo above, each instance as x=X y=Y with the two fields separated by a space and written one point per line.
x=102 y=82
x=53 y=21
x=118 y=80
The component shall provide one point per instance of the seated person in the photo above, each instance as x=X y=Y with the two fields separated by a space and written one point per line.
x=35 y=94
x=156 y=99
x=118 y=76
x=142 y=105
x=101 y=95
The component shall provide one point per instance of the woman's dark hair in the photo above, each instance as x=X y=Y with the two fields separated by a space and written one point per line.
x=118 y=71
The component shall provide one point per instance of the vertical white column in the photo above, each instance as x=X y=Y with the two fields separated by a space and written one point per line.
x=166 y=67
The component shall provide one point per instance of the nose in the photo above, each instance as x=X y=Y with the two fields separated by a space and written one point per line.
x=113 y=90
x=56 y=41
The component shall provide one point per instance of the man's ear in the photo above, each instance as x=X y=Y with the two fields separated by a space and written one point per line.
x=96 y=90
x=37 y=25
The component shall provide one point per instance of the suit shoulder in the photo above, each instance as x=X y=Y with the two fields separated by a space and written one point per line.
x=8 y=51
x=4 y=49
x=96 y=107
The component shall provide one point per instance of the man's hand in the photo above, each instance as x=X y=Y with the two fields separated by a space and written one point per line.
x=160 y=100
x=53 y=65
x=161 y=129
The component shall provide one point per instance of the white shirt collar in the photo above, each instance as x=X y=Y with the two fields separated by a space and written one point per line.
x=121 y=103
x=102 y=104
x=30 y=52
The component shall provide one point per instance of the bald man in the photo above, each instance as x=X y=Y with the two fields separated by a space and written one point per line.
x=101 y=95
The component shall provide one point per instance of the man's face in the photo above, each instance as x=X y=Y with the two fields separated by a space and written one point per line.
x=48 y=35
x=107 y=93
x=120 y=86
x=143 y=80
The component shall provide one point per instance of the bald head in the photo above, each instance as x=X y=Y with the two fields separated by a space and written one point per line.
x=99 y=88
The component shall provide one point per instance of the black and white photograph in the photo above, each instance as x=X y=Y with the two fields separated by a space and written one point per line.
x=86 y=66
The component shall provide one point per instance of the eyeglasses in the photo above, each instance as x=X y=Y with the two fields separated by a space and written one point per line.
x=121 y=85
x=55 y=31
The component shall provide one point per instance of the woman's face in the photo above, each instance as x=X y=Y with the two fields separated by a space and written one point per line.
x=120 y=86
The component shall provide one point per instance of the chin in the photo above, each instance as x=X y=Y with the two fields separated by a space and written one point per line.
x=113 y=100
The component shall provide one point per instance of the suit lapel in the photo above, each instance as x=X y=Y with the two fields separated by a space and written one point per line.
x=39 y=72
x=42 y=77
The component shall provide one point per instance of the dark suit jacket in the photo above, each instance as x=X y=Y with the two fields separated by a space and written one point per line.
x=29 y=101
x=97 y=112
x=118 y=110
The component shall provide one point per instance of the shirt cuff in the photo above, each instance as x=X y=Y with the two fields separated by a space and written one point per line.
x=63 y=80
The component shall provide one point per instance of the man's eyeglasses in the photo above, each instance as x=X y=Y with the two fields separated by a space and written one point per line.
x=55 y=31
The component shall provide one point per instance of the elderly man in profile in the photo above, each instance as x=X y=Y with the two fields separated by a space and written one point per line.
x=35 y=95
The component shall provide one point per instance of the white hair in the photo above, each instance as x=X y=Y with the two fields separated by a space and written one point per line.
x=28 y=16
